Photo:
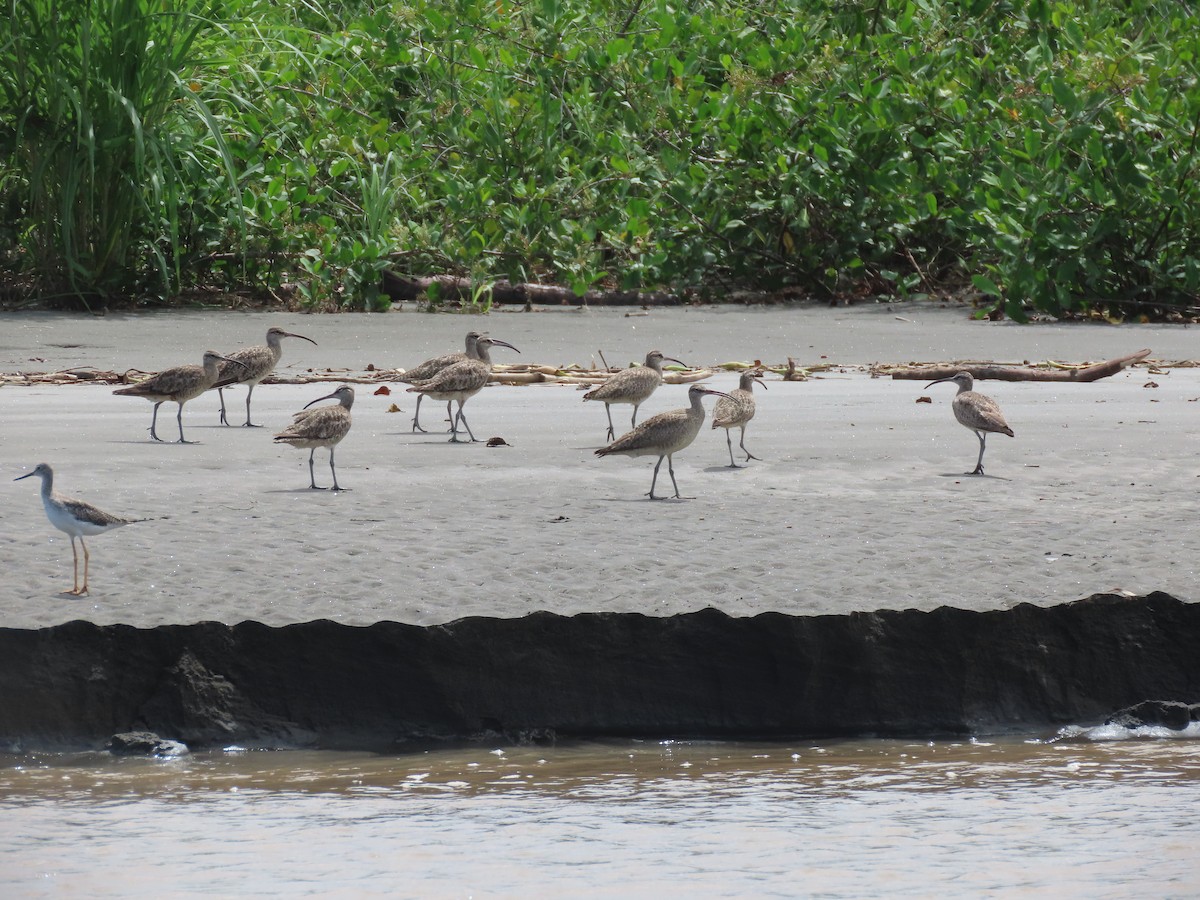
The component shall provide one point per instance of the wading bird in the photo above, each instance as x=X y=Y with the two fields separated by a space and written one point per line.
x=633 y=385
x=76 y=518
x=431 y=367
x=664 y=435
x=178 y=385
x=461 y=382
x=975 y=411
x=256 y=363
x=324 y=426
x=736 y=411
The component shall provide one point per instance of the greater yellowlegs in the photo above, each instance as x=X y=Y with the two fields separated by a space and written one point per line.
x=76 y=518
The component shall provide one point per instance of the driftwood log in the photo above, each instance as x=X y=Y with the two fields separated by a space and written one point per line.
x=516 y=374
x=527 y=373
x=402 y=287
x=1047 y=372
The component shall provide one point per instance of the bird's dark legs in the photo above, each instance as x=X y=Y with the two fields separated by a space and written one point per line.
x=179 y=419
x=611 y=431
x=729 y=443
x=312 y=479
x=671 y=471
x=979 y=463
x=336 y=486
x=742 y=444
x=654 y=480
x=221 y=394
x=247 y=423
x=154 y=421
x=462 y=418
x=417 y=415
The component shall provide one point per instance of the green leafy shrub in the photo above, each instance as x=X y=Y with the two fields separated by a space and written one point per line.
x=1041 y=152
x=100 y=120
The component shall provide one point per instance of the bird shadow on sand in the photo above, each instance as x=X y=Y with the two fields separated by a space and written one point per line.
x=429 y=437
x=643 y=499
x=972 y=476
x=315 y=491
x=154 y=443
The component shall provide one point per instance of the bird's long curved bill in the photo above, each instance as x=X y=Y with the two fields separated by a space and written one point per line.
x=319 y=399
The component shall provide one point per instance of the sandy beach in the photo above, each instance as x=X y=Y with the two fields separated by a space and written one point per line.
x=859 y=502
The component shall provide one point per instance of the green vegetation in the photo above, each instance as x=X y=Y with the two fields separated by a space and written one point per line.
x=1042 y=153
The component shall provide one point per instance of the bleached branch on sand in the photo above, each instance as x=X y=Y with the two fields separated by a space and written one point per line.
x=1050 y=371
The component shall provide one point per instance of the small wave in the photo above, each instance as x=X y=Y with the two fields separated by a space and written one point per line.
x=1112 y=732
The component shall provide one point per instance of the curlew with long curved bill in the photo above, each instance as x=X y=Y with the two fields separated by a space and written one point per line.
x=664 y=435
x=178 y=385
x=256 y=363
x=76 y=518
x=460 y=382
x=736 y=411
x=431 y=367
x=324 y=426
x=633 y=385
x=975 y=411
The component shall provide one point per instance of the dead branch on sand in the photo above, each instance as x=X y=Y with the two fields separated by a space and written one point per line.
x=1049 y=371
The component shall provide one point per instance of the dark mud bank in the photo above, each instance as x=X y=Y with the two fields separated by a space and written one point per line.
x=949 y=671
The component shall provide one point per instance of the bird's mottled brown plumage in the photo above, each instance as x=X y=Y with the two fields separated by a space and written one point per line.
x=664 y=435
x=179 y=385
x=633 y=385
x=976 y=411
x=736 y=410
x=250 y=365
x=324 y=426
x=461 y=381
x=76 y=518
x=432 y=367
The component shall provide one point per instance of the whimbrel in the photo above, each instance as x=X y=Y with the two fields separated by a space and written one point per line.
x=975 y=411
x=460 y=382
x=664 y=435
x=431 y=367
x=737 y=410
x=75 y=517
x=321 y=427
x=634 y=385
x=178 y=385
x=256 y=364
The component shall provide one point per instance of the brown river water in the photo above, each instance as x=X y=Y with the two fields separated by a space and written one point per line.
x=1088 y=814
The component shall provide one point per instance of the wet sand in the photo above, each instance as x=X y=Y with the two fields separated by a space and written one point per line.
x=859 y=502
